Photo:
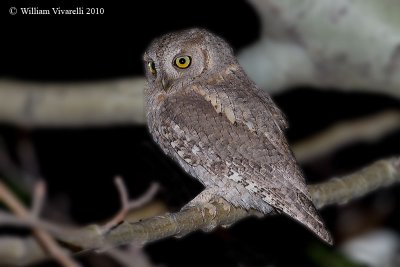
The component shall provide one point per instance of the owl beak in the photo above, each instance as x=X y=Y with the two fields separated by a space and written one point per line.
x=165 y=84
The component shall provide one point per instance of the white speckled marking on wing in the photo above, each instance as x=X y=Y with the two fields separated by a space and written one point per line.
x=235 y=177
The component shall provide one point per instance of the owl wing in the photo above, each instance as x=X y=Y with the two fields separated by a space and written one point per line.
x=248 y=105
x=199 y=135
x=272 y=108
x=235 y=103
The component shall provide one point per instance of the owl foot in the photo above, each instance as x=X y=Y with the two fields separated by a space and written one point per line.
x=212 y=210
x=203 y=201
x=203 y=209
x=225 y=205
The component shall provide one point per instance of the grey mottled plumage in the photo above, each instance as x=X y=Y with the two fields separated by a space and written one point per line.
x=207 y=115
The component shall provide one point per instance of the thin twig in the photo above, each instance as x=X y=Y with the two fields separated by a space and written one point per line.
x=124 y=199
x=39 y=195
x=43 y=237
x=145 y=198
x=9 y=219
x=123 y=191
x=126 y=204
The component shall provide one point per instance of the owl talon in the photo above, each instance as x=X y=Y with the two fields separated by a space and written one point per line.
x=225 y=226
x=225 y=205
x=202 y=208
x=212 y=210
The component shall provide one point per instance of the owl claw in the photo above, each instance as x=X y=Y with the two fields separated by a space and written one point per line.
x=225 y=205
x=211 y=209
x=202 y=208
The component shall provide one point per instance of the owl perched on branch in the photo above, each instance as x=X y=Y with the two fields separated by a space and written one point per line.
x=206 y=114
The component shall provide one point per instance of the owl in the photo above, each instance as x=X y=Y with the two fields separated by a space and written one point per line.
x=208 y=116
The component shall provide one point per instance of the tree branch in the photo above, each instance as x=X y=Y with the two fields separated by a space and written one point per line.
x=337 y=190
x=367 y=129
x=343 y=189
x=45 y=240
x=379 y=174
x=127 y=204
x=20 y=251
x=72 y=104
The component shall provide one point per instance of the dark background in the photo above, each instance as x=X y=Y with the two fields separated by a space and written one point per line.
x=80 y=163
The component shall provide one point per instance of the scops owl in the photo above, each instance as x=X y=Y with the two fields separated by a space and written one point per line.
x=207 y=115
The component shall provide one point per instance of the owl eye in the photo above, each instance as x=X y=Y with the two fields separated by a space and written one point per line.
x=152 y=67
x=183 y=62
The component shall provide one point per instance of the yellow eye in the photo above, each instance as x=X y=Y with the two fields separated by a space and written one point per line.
x=152 y=67
x=183 y=62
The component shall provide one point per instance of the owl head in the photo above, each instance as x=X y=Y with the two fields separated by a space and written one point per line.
x=180 y=58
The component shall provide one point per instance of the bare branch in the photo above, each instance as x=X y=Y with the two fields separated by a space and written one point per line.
x=42 y=236
x=19 y=251
x=379 y=174
x=123 y=192
x=341 y=190
x=12 y=202
x=145 y=198
x=126 y=204
x=8 y=219
x=365 y=129
x=72 y=104
x=39 y=195
x=337 y=190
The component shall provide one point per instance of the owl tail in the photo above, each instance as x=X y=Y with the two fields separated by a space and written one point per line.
x=318 y=228
x=308 y=215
